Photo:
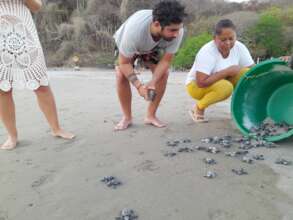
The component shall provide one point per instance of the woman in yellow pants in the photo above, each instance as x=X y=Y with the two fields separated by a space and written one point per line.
x=217 y=68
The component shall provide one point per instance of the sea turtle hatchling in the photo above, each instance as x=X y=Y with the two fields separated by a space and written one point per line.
x=186 y=140
x=127 y=214
x=246 y=159
x=283 y=162
x=172 y=143
x=258 y=157
x=170 y=154
x=185 y=149
x=210 y=174
x=111 y=181
x=213 y=150
x=209 y=161
x=240 y=171
x=236 y=153
x=207 y=140
x=200 y=148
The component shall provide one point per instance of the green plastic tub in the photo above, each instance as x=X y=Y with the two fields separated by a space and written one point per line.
x=265 y=91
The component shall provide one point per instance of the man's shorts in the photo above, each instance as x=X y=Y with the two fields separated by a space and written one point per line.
x=144 y=59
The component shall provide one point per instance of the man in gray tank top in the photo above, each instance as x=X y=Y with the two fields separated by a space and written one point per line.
x=143 y=35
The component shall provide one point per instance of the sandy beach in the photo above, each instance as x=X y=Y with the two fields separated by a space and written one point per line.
x=46 y=178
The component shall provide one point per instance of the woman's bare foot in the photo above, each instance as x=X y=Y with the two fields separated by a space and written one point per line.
x=9 y=144
x=123 y=124
x=63 y=134
x=155 y=122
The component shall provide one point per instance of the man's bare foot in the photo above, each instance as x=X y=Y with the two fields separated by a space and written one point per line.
x=63 y=134
x=155 y=122
x=9 y=144
x=123 y=124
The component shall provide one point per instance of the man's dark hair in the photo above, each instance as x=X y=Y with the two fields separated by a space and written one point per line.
x=224 y=23
x=169 y=12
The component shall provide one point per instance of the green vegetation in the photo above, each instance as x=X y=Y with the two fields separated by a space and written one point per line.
x=186 y=54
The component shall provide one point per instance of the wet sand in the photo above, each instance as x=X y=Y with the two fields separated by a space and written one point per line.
x=48 y=178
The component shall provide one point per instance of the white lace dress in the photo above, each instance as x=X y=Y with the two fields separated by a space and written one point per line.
x=22 y=63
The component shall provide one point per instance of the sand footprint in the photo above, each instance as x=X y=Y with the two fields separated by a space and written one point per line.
x=146 y=165
x=42 y=180
x=220 y=215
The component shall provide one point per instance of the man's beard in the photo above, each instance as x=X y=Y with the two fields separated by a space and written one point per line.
x=168 y=38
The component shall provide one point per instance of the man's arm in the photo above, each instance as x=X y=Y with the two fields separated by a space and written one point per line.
x=203 y=80
x=126 y=67
x=161 y=69
x=33 y=5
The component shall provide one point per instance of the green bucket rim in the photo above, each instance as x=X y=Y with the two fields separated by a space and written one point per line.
x=253 y=72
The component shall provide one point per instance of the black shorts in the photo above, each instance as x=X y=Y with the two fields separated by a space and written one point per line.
x=143 y=59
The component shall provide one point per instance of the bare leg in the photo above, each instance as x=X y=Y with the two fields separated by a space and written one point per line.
x=124 y=94
x=7 y=116
x=153 y=106
x=48 y=106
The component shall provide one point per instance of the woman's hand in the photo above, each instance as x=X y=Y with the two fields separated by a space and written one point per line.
x=33 y=5
x=285 y=58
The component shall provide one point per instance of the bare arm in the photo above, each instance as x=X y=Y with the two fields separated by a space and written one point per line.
x=204 y=80
x=126 y=67
x=160 y=70
x=285 y=58
x=33 y=5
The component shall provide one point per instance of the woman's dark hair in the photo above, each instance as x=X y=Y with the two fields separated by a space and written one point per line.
x=224 y=23
x=169 y=12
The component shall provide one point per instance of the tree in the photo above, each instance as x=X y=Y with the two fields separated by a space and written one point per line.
x=267 y=35
x=186 y=54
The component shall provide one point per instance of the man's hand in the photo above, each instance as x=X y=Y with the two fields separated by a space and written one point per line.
x=151 y=85
x=143 y=92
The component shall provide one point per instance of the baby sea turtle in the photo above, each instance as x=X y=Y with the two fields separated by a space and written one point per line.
x=185 y=141
x=172 y=143
x=207 y=140
x=170 y=154
x=127 y=214
x=111 y=181
x=269 y=128
x=283 y=161
x=202 y=148
x=107 y=179
x=268 y=144
x=213 y=150
x=210 y=175
x=231 y=154
x=226 y=143
x=185 y=149
x=239 y=172
x=216 y=140
x=258 y=157
x=209 y=161
x=236 y=153
x=245 y=147
x=246 y=159
x=228 y=137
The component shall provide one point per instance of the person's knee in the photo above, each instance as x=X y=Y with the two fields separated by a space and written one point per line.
x=119 y=76
x=224 y=89
x=43 y=90
x=6 y=94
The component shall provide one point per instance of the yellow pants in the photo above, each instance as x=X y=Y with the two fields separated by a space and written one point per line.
x=214 y=93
